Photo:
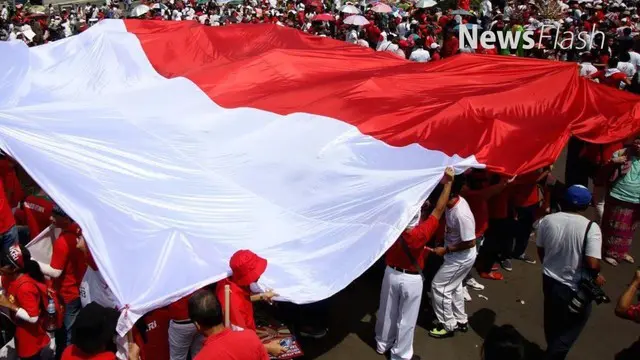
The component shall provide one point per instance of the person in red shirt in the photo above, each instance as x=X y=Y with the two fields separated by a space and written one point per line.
x=68 y=265
x=37 y=213
x=401 y=291
x=222 y=343
x=451 y=45
x=478 y=193
x=151 y=335
x=526 y=201
x=611 y=76
x=8 y=230
x=93 y=333
x=26 y=295
x=183 y=335
x=15 y=193
x=246 y=267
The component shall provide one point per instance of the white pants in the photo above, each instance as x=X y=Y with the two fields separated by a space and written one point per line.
x=182 y=339
x=599 y=194
x=447 y=294
x=398 y=313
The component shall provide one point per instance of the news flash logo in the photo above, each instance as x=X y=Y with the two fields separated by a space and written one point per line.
x=470 y=37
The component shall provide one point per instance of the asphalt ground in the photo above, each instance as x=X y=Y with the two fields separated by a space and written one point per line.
x=352 y=315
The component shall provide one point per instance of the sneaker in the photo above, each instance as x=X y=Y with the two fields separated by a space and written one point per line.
x=313 y=333
x=526 y=258
x=506 y=265
x=465 y=293
x=439 y=332
x=472 y=283
x=463 y=328
x=495 y=267
x=494 y=275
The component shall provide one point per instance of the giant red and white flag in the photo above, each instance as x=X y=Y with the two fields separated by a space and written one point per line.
x=173 y=145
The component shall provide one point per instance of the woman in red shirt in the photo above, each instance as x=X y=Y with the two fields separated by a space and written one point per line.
x=26 y=298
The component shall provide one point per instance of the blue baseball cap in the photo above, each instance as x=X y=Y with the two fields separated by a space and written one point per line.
x=578 y=195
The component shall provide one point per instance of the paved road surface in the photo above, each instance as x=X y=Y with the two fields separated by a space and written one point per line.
x=353 y=310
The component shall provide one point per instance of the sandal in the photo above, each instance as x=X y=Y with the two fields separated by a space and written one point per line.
x=611 y=261
x=628 y=258
x=494 y=275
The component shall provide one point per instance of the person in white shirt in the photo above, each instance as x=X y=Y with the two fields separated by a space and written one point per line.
x=4 y=13
x=403 y=27
x=459 y=253
x=586 y=67
x=486 y=8
x=352 y=35
x=569 y=247
x=626 y=66
x=635 y=59
x=419 y=54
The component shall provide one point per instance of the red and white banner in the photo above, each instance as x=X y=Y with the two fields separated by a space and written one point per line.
x=174 y=144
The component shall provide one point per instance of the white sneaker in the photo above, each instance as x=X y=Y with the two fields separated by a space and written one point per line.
x=465 y=293
x=472 y=283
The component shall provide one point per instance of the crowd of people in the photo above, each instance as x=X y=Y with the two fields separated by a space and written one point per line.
x=600 y=35
x=477 y=220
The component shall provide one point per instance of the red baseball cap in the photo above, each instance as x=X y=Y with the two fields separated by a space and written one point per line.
x=247 y=267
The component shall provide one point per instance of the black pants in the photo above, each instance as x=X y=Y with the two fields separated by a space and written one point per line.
x=34 y=357
x=314 y=315
x=498 y=243
x=561 y=326
x=576 y=170
x=522 y=229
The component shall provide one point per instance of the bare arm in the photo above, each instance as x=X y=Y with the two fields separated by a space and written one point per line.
x=463 y=245
x=444 y=197
x=626 y=300
x=541 y=254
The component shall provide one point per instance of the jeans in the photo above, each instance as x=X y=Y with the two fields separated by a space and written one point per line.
x=9 y=238
x=63 y=335
x=522 y=228
x=561 y=326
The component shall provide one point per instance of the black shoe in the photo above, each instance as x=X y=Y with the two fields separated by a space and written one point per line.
x=463 y=328
x=313 y=333
x=416 y=357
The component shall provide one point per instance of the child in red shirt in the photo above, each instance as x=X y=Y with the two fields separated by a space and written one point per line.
x=26 y=297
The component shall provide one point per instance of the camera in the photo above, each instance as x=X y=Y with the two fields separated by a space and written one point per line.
x=588 y=291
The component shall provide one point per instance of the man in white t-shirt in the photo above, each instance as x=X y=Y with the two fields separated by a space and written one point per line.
x=586 y=67
x=459 y=251
x=635 y=59
x=567 y=258
x=419 y=54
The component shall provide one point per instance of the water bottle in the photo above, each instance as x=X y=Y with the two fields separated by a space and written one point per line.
x=51 y=316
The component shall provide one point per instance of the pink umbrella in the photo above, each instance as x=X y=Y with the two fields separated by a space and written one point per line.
x=357 y=20
x=323 y=17
x=382 y=8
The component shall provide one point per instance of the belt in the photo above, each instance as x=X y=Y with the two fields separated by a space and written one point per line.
x=183 y=322
x=410 y=272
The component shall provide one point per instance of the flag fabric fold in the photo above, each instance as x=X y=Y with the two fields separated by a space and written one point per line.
x=174 y=144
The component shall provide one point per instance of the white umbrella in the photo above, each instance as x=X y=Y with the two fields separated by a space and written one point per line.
x=422 y=4
x=382 y=8
x=139 y=10
x=358 y=20
x=349 y=9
